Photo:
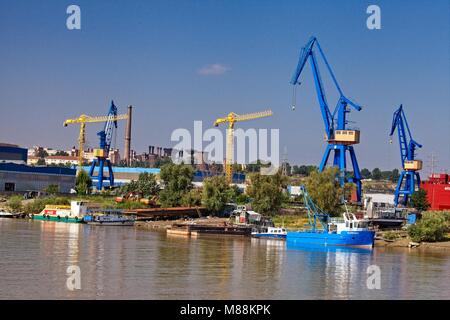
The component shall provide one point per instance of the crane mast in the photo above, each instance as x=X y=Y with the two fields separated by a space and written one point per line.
x=409 y=176
x=231 y=119
x=340 y=138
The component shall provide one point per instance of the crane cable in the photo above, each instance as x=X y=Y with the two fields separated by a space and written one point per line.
x=294 y=97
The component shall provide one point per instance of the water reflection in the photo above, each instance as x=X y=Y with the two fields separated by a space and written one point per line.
x=127 y=263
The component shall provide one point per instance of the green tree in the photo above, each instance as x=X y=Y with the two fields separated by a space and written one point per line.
x=325 y=190
x=177 y=181
x=242 y=199
x=419 y=200
x=40 y=162
x=61 y=153
x=147 y=184
x=395 y=175
x=15 y=204
x=216 y=193
x=386 y=175
x=432 y=227
x=376 y=174
x=41 y=153
x=193 y=198
x=83 y=183
x=161 y=161
x=52 y=189
x=266 y=192
x=366 y=174
x=233 y=193
x=303 y=170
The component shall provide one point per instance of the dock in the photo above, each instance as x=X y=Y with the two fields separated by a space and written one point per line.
x=149 y=214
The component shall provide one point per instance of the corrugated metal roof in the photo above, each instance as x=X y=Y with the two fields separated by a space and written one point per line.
x=42 y=170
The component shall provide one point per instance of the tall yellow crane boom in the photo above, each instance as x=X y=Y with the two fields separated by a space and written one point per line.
x=82 y=120
x=232 y=118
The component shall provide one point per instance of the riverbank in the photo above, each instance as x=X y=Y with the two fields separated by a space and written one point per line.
x=400 y=239
x=407 y=243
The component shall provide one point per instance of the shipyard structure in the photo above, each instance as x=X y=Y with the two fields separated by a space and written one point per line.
x=17 y=176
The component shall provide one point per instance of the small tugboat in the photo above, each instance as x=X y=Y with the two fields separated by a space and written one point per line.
x=348 y=231
x=271 y=232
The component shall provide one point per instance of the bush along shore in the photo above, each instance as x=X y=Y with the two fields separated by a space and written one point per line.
x=431 y=231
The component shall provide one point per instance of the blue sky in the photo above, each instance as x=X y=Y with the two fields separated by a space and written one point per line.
x=155 y=56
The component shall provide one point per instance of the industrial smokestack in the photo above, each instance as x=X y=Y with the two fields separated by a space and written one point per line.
x=128 y=137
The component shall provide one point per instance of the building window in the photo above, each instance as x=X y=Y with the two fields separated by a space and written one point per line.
x=9 y=186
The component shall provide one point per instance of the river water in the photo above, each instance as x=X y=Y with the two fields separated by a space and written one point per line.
x=128 y=263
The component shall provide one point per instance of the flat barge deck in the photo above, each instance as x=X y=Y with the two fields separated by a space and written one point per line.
x=196 y=230
x=166 y=213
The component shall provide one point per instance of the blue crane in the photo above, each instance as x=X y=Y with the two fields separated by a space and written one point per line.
x=407 y=155
x=340 y=138
x=102 y=153
x=314 y=212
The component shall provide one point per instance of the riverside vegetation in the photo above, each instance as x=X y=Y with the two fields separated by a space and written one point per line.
x=265 y=194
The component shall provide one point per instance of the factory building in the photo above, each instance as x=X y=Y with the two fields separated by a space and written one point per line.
x=20 y=178
x=16 y=176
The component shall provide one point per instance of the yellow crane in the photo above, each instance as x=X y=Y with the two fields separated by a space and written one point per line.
x=82 y=120
x=231 y=118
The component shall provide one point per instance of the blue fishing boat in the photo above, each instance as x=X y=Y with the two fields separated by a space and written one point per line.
x=271 y=232
x=346 y=231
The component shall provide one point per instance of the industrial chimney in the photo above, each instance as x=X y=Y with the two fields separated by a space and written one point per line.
x=128 y=137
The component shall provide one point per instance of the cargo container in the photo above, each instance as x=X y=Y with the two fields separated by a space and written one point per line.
x=438 y=191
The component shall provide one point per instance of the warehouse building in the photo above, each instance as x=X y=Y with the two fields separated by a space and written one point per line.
x=16 y=176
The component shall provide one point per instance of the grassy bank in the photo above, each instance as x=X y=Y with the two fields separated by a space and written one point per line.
x=293 y=222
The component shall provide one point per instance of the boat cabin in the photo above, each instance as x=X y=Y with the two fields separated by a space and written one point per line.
x=349 y=222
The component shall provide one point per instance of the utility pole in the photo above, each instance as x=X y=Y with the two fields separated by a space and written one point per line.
x=433 y=163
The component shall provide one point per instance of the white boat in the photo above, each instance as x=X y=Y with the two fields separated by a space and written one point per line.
x=4 y=214
x=63 y=213
x=109 y=220
x=271 y=232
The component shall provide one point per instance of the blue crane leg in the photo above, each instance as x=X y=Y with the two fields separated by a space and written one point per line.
x=356 y=173
x=92 y=168
x=398 y=188
x=325 y=157
x=342 y=164
x=100 y=174
x=111 y=174
x=418 y=179
x=336 y=159
x=412 y=184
